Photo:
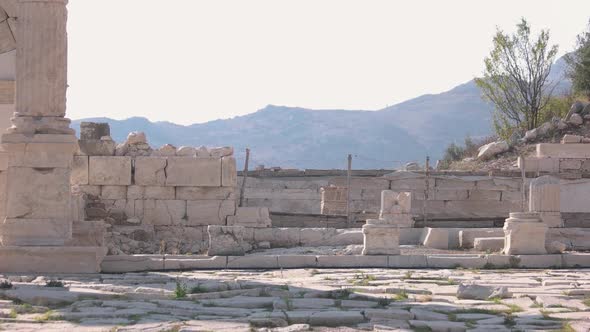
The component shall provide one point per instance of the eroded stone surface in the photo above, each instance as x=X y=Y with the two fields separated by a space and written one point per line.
x=296 y=300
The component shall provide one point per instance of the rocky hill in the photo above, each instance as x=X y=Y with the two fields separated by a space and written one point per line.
x=304 y=138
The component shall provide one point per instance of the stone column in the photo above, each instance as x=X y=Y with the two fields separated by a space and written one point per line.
x=40 y=144
x=524 y=234
x=544 y=198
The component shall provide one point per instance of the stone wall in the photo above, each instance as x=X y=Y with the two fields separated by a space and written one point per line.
x=450 y=196
x=157 y=203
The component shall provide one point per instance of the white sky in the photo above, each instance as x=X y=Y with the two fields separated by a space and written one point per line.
x=189 y=61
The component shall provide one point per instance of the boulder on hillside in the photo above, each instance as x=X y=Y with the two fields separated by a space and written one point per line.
x=576 y=119
x=491 y=150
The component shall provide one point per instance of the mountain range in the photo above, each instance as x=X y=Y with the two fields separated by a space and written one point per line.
x=293 y=137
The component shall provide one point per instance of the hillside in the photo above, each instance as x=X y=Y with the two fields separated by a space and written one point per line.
x=304 y=138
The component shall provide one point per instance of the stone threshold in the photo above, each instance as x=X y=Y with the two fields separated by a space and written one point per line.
x=138 y=263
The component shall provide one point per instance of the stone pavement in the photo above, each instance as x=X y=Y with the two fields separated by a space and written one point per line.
x=300 y=300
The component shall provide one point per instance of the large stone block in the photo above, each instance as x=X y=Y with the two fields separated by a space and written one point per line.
x=114 y=171
x=574 y=195
x=42 y=151
x=209 y=212
x=485 y=195
x=256 y=217
x=563 y=150
x=164 y=212
x=79 y=173
x=51 y=259
x=94 y=130
x=225 y=240
x=105 y=147
x=35 y=232
x=38 y=193
x=205 y=193
x=437 y=238
x=380 y=239
x=524 y=234
x=229 y=174
x=193 y=172
x=113 y=192
x=467 y=236
x=155 y=192
x=150 y=171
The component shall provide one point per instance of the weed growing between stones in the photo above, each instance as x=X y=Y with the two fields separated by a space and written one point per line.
x=54 y=283
x=5 y=284
x=180 y=291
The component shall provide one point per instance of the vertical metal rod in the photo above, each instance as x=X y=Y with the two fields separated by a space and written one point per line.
x=348 y=172
x=426 y=191
x=523 y=189
x=244 y=177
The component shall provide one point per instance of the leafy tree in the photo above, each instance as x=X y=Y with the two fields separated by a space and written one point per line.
x=516 y=78
x=578 y=63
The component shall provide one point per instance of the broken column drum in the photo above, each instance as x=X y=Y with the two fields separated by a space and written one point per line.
x=524 y=234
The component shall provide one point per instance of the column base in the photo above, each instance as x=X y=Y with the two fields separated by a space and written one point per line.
x=51 y=259
x=524 y=234
x=35 y=232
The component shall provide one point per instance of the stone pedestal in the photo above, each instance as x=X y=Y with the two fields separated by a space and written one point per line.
x=544 y=198
x=380 y=238
x=524 y=234
x=38 y=150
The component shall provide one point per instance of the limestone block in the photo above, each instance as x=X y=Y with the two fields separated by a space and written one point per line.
x=164 y=212
x=35 y=232
x=110 y=171
x=186 y=151
x=570 y=164
x=563 y=150
x=193 y=172
x=113 y=192
x=79 y=170
x=90 y=190
x=296 y=261
x=184 y=262
x=205 y=193
x=484 y=195
x=38 y=193
x=454 y=261
x=166 y=150
x=88 y=234
x=94 y=130
x=545 y=194
x=278 y=237
x=352 y=261
x=437 y=238
x=150 y=171
x=551 y=219
x=132 y=263
x=97 y=147
x=209 y=212
x=225 y=240
x=489 y=243
x=257 y=217
x=454 y=183
x=568 y=139
x=202 y=152
x=135 y=192
x=467 y=236
x=379 y=239
x=51 y=260
x=524 y=234
x=399 y=220
x=252 y=262
x=136 y=137
x=42 y=150
x=395 y=203
x=229 y=174
x=155 y=192
x=225 y=151
x=574 y=195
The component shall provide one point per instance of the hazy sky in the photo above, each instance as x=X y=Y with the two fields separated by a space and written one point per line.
x=188 y=61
